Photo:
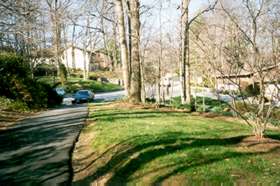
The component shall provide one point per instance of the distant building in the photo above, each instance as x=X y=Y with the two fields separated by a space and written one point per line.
x=79 y=59
x=233 y=82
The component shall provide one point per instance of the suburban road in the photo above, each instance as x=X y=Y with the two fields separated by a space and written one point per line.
x=110 y=96
x=37 y=150
x=176 y=91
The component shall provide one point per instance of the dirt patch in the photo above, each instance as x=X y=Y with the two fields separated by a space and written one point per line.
x=83 y=154
x=87 y=161
x=252 y=144
x=127 y=105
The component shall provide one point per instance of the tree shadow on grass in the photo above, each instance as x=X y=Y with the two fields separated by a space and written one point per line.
x=111 y=117
x=125 y=158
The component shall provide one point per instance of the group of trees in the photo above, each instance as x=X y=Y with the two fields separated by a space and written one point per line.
x=131 y=54
x=244 y=42
x=149 y=39
x=226 y=39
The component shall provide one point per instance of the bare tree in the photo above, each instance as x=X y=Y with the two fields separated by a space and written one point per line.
x=185 y=56
x=135 y=90
x=57 y=10
x=242 y=61
x=123 y=44
x=159 y=72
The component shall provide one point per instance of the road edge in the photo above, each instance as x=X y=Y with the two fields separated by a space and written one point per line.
x=71 y=169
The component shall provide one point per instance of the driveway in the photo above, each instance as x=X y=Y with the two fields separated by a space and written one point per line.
x=37 y=150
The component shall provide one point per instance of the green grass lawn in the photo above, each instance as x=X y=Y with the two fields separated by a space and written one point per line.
x=144 y=146
x=74 y=84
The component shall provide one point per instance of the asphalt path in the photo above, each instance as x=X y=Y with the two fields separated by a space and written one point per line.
x=38 y=150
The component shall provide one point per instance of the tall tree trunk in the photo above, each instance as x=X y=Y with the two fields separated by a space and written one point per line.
x=65 y=45
x=85 y=64
x=85 y=52
x=129 y=38
x=143 y=91
x=185 y=64
x=115 y=48
x=73 y=48
x=159 y=59
x=123 y=44
x=109 y=59
x=56 y=26
x=135 y=52
x=158 y=86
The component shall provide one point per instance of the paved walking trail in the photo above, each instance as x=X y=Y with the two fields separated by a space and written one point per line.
x=37 y=150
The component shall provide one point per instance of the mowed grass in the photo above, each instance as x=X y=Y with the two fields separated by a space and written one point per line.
x=148 y=146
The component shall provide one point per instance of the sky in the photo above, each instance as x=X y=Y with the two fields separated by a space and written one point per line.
x=170 y=14
x=171 y=6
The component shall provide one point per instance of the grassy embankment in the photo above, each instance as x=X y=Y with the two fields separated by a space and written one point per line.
x=74 y=84
x=127 y=144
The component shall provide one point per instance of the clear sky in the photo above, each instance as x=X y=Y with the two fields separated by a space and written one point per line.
x=195 y=5
x=170 y=13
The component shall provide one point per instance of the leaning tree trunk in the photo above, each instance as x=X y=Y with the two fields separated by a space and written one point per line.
x=135 y=52
x=123 y=44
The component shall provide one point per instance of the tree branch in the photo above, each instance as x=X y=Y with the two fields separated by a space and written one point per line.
x=211 y=7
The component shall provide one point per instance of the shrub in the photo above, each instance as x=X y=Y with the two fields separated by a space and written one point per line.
x=13 y=105
x=249 y=111
x=17 y=84
x=244 y=108
x=14 y=73
x=45 y=70
x=176 y=103
x=211 y=105
x=12 y=64
x=252 y=90
x=150 y=100
x=63 y=72
x=217 y=109
x=93 y=77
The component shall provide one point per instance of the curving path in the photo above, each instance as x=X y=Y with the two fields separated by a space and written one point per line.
x=38 y=149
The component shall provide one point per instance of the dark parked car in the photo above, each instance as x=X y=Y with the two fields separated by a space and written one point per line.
x=83 y=96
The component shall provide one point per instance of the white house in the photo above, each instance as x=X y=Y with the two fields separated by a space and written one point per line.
x=76 y=58
x=79 y=59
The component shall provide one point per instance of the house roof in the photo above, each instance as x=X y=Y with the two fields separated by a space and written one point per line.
x=244 y=74
x=82 y=49
x=79 y=48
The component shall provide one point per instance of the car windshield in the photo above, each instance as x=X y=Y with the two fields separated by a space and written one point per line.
x=86 y=93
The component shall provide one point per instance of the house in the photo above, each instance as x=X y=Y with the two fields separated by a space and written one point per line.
x=235 y=82
x=101 y=61
x=76 y=58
